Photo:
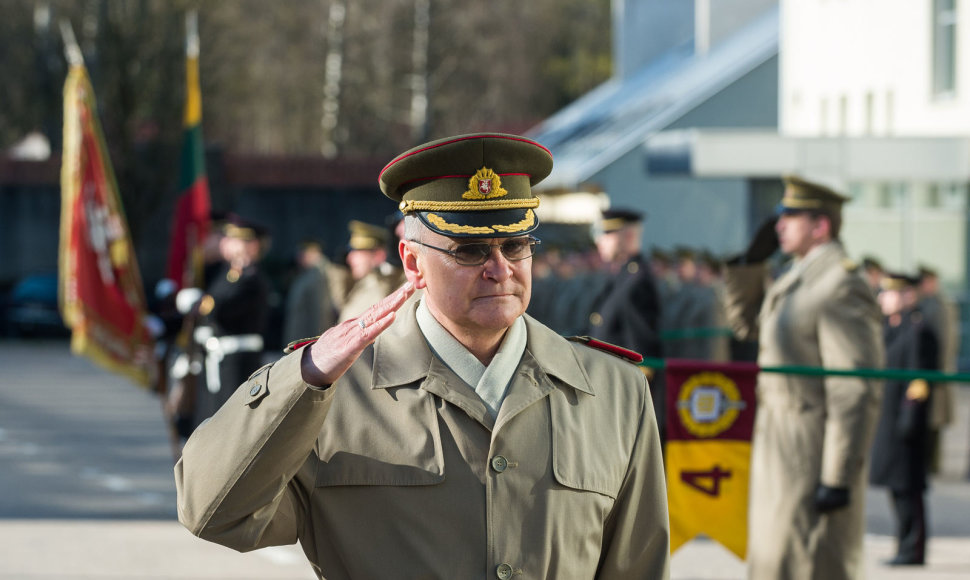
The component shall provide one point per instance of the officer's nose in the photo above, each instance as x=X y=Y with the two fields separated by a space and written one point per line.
x=497 y=267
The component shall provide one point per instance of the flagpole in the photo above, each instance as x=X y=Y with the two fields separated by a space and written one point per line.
x=71 y=49
x=192 y=34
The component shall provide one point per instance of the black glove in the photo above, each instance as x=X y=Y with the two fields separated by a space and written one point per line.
x=764 y=243
x=831 y=498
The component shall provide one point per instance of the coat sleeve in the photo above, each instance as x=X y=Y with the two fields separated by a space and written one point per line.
x=636 y=541
x=849 y=338
x=236 y=482
x=744 y=291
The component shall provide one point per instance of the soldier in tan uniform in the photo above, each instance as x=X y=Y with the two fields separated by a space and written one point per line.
x=943 y=316
x=456 y=437
x=372 y=275
x=812 y=434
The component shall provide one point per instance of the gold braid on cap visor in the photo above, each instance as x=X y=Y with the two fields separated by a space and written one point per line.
x=461 y=206
x=410 y=205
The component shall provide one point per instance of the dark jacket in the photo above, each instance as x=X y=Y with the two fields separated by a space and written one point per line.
x=900 y=448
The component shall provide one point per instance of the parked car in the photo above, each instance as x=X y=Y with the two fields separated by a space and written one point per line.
x=30 y=308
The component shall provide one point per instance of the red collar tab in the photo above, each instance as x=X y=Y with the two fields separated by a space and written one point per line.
x=298 y=344
x=619 y=351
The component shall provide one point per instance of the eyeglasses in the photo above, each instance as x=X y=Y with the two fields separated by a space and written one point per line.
x=514 y=249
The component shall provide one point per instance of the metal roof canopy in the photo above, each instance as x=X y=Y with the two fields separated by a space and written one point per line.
x=619 y=116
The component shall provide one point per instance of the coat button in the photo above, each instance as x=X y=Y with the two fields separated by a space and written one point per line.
x=503 y=572
x=596 y=319
x=255 y=390
x=499 y=463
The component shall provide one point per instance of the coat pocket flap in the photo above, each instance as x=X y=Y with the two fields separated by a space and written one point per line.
x=402 y=448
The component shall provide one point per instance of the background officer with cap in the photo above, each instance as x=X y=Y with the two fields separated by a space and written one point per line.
x=627 y=310
x=234 y=311
x=372 y=275
x=812 y=434
x=899 y=451
x=454 y=438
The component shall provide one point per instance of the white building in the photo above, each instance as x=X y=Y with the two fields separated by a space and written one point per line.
x=679 y=65
x=873 y=100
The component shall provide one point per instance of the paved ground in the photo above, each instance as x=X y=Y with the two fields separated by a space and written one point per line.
x=86 y=490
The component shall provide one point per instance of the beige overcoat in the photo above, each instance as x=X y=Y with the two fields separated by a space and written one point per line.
x=398 y=471
x=808 y=430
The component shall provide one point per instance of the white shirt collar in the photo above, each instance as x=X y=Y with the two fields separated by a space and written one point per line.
x=491 y=382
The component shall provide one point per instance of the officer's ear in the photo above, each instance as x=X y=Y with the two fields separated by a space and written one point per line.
x=410 y=259
x=822 y=227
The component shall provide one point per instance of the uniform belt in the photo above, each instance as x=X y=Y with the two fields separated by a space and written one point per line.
x=217 y=347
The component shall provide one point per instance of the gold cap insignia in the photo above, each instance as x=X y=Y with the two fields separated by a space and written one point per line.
x=485 y=184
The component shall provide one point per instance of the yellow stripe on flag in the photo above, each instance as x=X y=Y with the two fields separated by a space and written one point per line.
x=193 y=99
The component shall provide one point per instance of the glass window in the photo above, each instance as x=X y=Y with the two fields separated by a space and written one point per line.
x=944 y=47
x=932 y=195
x=954 y=196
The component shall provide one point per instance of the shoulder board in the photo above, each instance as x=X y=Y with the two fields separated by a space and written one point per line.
x=259 y=370
x=619 y=351
x=850 y=265
x=299 y=343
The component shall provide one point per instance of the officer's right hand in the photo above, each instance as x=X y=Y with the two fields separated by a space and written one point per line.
x=764 y=243
x=332 y=354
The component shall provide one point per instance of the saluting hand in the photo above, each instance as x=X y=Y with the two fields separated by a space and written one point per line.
x=332 y=354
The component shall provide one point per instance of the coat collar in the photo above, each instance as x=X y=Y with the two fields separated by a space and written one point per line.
x=406 y=358
x=811 y=266
x=555 y=356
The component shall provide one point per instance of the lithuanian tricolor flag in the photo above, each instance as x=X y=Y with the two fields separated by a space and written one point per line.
x=710 y=421
x=191 y=221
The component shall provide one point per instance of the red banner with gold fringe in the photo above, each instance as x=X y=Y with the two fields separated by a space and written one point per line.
x=101 y=295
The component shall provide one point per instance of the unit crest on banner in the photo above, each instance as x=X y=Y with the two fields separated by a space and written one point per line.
x=710 y=420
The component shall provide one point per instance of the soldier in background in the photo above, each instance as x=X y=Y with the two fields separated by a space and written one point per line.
x=188 y=364
x=662 y=267
x=565 y=295
x=627 y=311
x=692 y=310
x=234 y=312
x=874 y=272
x=373 y=277
x=309 y=307
x=709 y=277
x=899 y=449
x=943 y=316
x=812 y=434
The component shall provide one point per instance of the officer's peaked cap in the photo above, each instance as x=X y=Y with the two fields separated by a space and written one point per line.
x=615 y=219
x=365 y=236
x=476 y=185
x=804 y=195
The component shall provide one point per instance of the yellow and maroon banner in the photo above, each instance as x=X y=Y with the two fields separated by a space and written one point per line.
x=101 y=295
x=710 y=419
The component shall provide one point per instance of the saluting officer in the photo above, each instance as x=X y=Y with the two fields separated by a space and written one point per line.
x=812 y=434
x=456 y=437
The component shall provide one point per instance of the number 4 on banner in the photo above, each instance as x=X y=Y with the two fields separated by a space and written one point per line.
x=708 y=482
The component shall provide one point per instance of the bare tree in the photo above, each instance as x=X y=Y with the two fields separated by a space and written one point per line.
x=409 y=70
